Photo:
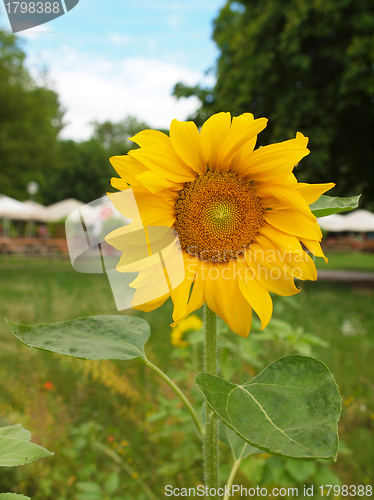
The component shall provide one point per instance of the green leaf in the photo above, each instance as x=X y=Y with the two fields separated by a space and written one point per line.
x=328 y=205
x=290 y=409
x=18 y=452
x=111 y=485
x=300 y=471
x=13 y=496
x=240 y=448
x=15 y=431
x=93 y=337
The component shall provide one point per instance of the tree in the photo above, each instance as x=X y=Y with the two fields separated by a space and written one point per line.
x=83 y=173
x=30 y=120
x=115 y=136
x=307 y=65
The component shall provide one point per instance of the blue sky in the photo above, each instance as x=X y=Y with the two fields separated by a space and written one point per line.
x=108 y=59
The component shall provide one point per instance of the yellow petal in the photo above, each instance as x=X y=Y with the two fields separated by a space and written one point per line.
x=186 y=141
x=156 y=182
x=119 y=238
x=197 y=297
x=268 y=274
x=256 y=295
x=157 y=210
x=315 y=248
x=244 y=130
x=286 y=243
x=119 y=184
x=275 y=161
x=223 y=296
x=151 y=288
x=214 y=133
x=302 y=266
x=292 y=222
x=152 y=305
x=151 y=139
x=127 y=168
x=298 y=264
x=291 y=179
x=289 y=197
x=311 y=192
x=165 y=163
x=180 y=295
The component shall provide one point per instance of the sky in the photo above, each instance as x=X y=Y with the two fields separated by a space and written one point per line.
x=113 y=58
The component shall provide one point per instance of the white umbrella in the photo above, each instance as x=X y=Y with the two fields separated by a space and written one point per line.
x=62 y=209
x=14 y=209
x=359 y=221
x=38 y=212
x=334 y=223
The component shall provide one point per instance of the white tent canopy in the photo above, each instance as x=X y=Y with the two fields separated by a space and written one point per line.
x=31 y=211
x=334 y=223
x=13 y=209
x=357 y=221
x=62 y=209
x=37 y=211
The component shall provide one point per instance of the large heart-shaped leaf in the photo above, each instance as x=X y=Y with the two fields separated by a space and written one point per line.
x=290 y=409
x=13 y=496
x=240 y=449
x=19 y=451
x=93 y=337
x=328 y=205
x=15 y=431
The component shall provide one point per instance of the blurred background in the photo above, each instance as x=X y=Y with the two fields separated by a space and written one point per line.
x=71 y=94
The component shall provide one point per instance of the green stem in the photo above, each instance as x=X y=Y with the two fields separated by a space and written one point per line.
x=211 y=422
x=111 y=453
x=178 y=392
x=233 y=472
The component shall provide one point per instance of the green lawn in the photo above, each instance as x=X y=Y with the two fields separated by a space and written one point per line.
x=126 y=407
x=351 y=261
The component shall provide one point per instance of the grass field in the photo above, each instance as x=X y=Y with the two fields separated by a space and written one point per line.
x=129 y=410
x=350 y=261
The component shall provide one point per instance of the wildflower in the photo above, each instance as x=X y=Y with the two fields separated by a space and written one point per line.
x=48 y=386
x=239 y=212
x=177 y=338
x=192 y=323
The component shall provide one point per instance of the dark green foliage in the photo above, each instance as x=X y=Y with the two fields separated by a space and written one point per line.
x=308 y=66
x=30 y=120
x=114 y=137
x=83 y=172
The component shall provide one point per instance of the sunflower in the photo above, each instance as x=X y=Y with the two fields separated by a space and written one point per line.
x=192 y=323
x=243 y=221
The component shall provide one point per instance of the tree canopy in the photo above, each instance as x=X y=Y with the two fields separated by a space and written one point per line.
x=115 y=136
x=307 y=65
x=30 y=120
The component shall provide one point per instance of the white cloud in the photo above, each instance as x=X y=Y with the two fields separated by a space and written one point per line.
x=36 y=31
x=118 y=39
x=175 y=21
x=98 y=89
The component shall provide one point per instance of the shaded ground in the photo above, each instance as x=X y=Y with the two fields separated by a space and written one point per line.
x=355 y=277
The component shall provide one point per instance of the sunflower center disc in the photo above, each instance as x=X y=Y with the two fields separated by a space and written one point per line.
x=217 y=216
